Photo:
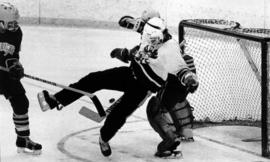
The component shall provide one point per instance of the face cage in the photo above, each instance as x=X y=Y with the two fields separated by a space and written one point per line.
x=154 y=42
x=10 y=26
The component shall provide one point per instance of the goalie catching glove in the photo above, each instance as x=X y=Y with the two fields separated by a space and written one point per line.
x=189 y=80
x=16 y=70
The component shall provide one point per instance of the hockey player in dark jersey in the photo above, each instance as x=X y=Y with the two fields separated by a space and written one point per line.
x=151 y=62
x=169 y=112
x=10 y=85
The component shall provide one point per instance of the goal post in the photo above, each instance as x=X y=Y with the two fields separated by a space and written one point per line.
x=233 y=68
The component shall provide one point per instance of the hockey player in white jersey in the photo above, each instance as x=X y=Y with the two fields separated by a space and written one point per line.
x=169 y=112
x=166 y=111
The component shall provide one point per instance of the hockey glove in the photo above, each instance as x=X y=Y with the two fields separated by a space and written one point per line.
x=132 y=23
x=121 y=54
x=16 y=70
x=127 y=22
x=133 y=51
x=189 y=80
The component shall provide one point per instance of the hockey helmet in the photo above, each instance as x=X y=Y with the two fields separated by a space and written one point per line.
x=149 y=13
x=153 y=32
x=9 y=16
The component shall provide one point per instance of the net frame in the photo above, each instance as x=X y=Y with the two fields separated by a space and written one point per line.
x=233 y=29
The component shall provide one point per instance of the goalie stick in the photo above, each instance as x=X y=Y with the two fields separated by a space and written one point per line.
x=93 y=97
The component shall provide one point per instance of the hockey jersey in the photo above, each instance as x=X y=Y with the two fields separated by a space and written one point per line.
x=154 y=73
x=10 y=44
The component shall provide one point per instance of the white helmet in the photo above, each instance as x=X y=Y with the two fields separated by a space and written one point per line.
x=153 y=32
x=150 y=13
x=9 y=16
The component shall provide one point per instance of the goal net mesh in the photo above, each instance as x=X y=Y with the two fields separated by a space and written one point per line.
x=230 y=87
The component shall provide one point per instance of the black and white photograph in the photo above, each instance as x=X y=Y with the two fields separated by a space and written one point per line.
x=134 y=80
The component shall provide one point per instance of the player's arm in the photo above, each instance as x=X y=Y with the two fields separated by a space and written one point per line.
x=189 y=78
x=190 y=62
x=124 y=54
x=179 y=66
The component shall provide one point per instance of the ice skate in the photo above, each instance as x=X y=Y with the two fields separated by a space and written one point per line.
x=105 y=147
x=26 y=145
x=171 y=153
x=187 y=139
x=47 y=101
x=175 y=145
x=175 y=154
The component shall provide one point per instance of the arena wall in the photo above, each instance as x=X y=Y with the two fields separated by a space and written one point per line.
x=105 y=13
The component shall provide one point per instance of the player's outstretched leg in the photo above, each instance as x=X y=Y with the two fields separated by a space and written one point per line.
x=26 y=145
x=47 y=101
x=104 y=147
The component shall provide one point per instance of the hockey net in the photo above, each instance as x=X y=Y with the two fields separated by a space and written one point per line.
x=232 y=66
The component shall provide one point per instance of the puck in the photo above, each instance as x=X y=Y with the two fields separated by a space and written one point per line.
x=111 y=100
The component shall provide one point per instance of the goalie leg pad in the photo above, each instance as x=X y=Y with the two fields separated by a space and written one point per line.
x=162 y=123
x=182 y=117
x=152 y=111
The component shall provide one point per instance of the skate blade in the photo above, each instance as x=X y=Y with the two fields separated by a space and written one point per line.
x=22 y=150
x=42 y=103
x=187 y=135
x=175 y=155
x=187 y=139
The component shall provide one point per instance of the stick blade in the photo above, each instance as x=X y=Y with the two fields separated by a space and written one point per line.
x=90 y=114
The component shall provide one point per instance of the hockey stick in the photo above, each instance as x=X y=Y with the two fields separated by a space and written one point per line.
x=93 y=97
x=250 y=60
x=90 y=114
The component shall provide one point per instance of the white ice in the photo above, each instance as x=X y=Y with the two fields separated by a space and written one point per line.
x=64 y=55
